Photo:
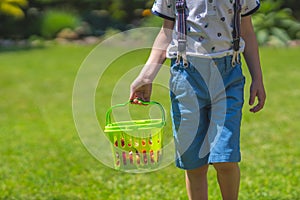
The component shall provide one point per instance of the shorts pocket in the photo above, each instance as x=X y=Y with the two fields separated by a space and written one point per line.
x=175 y=77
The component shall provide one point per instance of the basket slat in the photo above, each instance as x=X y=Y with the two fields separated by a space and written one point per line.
x=136 y=144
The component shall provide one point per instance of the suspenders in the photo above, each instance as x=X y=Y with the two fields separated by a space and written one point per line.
x=236 y=31
x=182 y=30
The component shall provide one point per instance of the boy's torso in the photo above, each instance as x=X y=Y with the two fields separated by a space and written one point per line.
x=209 y=27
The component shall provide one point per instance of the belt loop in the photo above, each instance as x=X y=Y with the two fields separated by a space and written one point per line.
x=213 y=63
x=220 y=61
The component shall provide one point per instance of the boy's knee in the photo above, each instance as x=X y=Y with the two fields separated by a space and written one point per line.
x=199 y=171
x=226 y=167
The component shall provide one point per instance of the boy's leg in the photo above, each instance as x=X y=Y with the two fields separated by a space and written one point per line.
x=196 y=183
x=229 y=179
x=225 y=153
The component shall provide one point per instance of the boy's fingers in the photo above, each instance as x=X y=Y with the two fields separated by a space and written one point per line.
x=252 y=98
x=147 y=93
x=138 y=96
x=132 y=96
x=132 y=92
x=260 y=104
x=140 y=93
x=257 y=108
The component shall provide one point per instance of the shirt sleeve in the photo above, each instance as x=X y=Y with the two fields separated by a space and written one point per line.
x=249 y=7
x=164 y=9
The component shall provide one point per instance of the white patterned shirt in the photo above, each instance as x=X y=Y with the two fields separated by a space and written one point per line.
x=209 y=25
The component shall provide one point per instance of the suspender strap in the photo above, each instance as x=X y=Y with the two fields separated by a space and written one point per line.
x=181 y=31
x=236 y=31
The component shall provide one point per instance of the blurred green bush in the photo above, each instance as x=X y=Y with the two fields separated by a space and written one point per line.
x=53 y=21
x=275 y=21
x=275 y=25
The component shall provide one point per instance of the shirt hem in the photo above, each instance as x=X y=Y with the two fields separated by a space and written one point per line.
x=154 y=12
x=251 y=11
x=215 y=55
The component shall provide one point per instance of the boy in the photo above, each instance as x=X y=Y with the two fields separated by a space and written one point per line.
x=206 y=86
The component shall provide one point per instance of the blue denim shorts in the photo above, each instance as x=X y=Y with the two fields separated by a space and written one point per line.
x=207 y=99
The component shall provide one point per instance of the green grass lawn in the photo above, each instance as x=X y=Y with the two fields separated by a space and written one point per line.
x=42 y=157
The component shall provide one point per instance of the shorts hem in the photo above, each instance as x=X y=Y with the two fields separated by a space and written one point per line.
x=224 y=158
x=212 y=159
x=191 y=167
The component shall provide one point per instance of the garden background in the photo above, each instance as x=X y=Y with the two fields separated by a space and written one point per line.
x=42 y=46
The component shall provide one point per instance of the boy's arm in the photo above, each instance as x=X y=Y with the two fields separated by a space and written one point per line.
x=251 y=56
x=142 y=85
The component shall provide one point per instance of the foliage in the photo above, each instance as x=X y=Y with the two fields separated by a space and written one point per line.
x=275 y=26
x=54 y=21
x=294 y=5
x=274 y=22
x=13 y=8
x=99 y=14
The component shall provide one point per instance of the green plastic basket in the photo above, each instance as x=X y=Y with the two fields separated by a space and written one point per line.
x=136 y=144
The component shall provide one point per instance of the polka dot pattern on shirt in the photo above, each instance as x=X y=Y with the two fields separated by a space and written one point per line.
x=209 y=24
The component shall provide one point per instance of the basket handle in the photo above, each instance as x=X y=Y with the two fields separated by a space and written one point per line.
x=108 y=113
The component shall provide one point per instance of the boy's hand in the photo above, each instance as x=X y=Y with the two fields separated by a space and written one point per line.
x=257 y=90
x=140 y=89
